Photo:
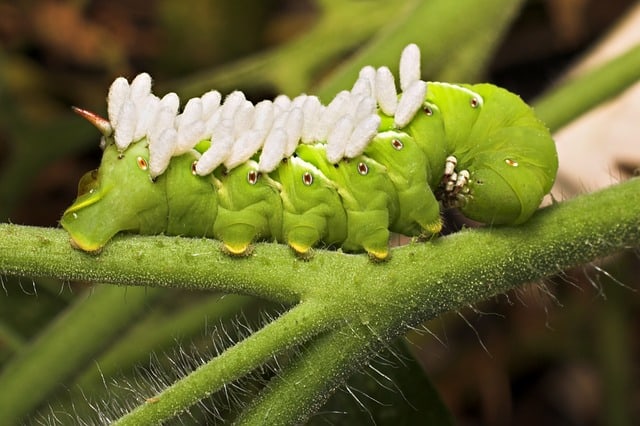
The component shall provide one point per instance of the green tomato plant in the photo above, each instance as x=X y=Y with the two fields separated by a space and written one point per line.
x=339 y=310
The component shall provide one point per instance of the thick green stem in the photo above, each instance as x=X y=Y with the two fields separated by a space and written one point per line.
x=420 y=282
x=185 y=263
x=562 y=235
x=557 y=238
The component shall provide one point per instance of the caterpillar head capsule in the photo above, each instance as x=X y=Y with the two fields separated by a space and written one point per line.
x=119 y=196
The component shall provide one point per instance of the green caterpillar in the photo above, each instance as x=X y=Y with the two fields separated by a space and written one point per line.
x=343 y=175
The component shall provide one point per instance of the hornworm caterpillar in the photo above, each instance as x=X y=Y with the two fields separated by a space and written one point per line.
x=343 y=175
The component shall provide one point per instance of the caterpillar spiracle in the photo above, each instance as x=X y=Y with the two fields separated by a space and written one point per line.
x=374 y=160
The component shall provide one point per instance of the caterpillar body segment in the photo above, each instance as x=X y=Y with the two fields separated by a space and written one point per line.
x=368 y=198
x=343 y=175
x=312 y=208
x=404 y=160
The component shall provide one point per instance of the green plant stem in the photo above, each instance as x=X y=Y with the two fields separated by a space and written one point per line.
x=428 y=24
x=291 y=329
x=159 y=331
x=335 y=356
x=75 y=337
x=592 y=225
x=47 y=252
x=580 y=94
x=420 y=282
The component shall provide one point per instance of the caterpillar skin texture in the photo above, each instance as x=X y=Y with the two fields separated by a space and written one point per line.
x=476 y=147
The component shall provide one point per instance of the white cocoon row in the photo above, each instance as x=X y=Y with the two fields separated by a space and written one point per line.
x=239 y=130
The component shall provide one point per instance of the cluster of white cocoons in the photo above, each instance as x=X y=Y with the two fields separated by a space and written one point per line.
x=238 y=129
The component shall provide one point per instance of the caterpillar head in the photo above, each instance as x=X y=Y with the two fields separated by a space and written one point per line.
x=119 y=196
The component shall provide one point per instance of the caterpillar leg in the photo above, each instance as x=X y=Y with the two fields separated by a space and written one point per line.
x=302 y=238
x=421 y=214
x=319 y=224
x=249 y=209
x=367 y=196
x=237 y=230
x=368 y=230
x=312 y=208
x=406 y=165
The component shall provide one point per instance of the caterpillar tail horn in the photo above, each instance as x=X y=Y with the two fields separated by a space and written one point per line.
x=99 y=122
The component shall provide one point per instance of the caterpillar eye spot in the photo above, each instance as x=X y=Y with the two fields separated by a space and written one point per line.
x=397 y=144
x=193 y=168
x=363 y=169
x=510 y=162
x=428 y=111
x=142 y=163
x=337 y=165
x=307 y=178
x=285 y=160
x=474 y=103
x=252 y=177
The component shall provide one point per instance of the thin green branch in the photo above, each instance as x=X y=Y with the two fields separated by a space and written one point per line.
x=292 y=328
x=580 y=94
x=326 y=364
x=159 y=331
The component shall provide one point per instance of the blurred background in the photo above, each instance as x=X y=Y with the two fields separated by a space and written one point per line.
x=561 y=352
